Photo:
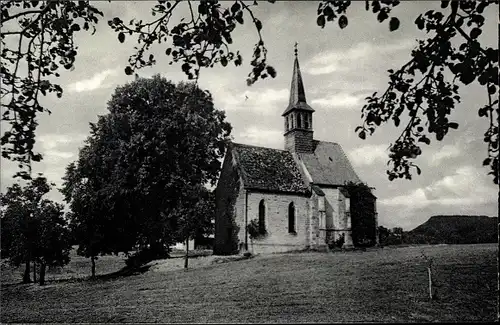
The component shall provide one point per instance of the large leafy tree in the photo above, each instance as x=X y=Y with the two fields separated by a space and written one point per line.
x=426 y=88
x=142 y=160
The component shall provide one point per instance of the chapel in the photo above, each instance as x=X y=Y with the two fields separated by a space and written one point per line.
x=296 y=196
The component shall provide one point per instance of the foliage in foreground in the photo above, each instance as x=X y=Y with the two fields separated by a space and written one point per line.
x=39 y=34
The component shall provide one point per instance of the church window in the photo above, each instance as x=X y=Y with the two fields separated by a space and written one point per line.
x=306 y=120
x=262 y=217
x=299 y=120
x=291 y=218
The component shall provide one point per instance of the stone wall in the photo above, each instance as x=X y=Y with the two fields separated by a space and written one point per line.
x=278 y=238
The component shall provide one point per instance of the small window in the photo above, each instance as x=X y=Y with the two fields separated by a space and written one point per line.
x=299 y=120
x=306 y=119
x=262 y=217
x=291 y=218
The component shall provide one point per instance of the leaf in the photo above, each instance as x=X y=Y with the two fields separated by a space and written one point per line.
x=168 y=51
x=453 y=125
x=393 y=24
x=475 y=32
x=258 y=24
x=492 y=89
x=418 y=170
x=382 y=15
x=444 y=4
x=425 y=140
x=235 y=7
x=487 y=161
x=121 y=37
x=223 y=61
x=321 y=21
x=420 y=22
x=362 y=135
x=128 y=71
x=343 y=21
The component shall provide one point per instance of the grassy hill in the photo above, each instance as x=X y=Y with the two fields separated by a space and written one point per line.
x=455 y=229
x=381 y=285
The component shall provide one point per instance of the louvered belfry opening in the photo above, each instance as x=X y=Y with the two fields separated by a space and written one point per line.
x=298 y=124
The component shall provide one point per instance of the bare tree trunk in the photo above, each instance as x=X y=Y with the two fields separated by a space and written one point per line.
x=187 y=252
x=92 y=259
x=27 y=272
x=42 y=273
x=34 y=271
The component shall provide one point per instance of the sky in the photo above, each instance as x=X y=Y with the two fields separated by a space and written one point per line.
x=339 y=69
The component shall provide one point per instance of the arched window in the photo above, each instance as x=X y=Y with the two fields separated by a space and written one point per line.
x=306 y=120
x=262 y=217
x=291 y=218
x=299 y=120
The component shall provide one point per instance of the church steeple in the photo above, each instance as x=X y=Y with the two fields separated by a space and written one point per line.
x=298 y=115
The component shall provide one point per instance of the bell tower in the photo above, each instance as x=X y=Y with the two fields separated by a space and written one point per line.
x=298 y=115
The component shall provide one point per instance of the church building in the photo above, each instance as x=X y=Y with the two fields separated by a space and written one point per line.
x=296 y=195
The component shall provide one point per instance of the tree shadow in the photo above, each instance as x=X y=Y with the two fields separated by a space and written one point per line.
x=124 y=272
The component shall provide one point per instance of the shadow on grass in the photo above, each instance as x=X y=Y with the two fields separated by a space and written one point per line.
x=124 y=272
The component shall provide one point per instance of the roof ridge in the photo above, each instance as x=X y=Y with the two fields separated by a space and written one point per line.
x=253 y=146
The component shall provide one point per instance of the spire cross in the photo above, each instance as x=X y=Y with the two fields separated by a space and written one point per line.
x=295 y=48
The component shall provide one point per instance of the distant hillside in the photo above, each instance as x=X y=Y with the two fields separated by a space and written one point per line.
x=455 y=229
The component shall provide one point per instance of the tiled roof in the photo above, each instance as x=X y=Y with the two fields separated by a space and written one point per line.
x=268 y=169
x=329 y=165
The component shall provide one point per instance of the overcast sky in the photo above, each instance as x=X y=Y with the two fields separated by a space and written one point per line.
x=339 y=67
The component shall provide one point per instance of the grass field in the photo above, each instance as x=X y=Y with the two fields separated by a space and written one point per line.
x=382 y=285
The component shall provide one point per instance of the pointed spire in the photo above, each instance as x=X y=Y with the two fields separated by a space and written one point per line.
x=297 y=92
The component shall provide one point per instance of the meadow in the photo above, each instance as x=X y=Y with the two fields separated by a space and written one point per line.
x=382 y=285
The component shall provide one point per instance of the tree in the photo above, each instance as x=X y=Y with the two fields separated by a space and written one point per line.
x=52 y=239
x=27 y=223
x=421 y=88
x=157 y=141
x=193 y=213
x=362 y=209
x=90 y=226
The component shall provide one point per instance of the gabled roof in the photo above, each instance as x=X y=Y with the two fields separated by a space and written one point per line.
x=328 y=165
x=268 y=169
x=297 y=93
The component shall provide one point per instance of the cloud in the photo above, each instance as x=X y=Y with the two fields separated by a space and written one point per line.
x=352 y=58
x=367 y=155
x=92 y=83
x=342 y=100
x=254 y=135
x=52 y=141
x=467 y=186
x=446 y=152
x=263 y=101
